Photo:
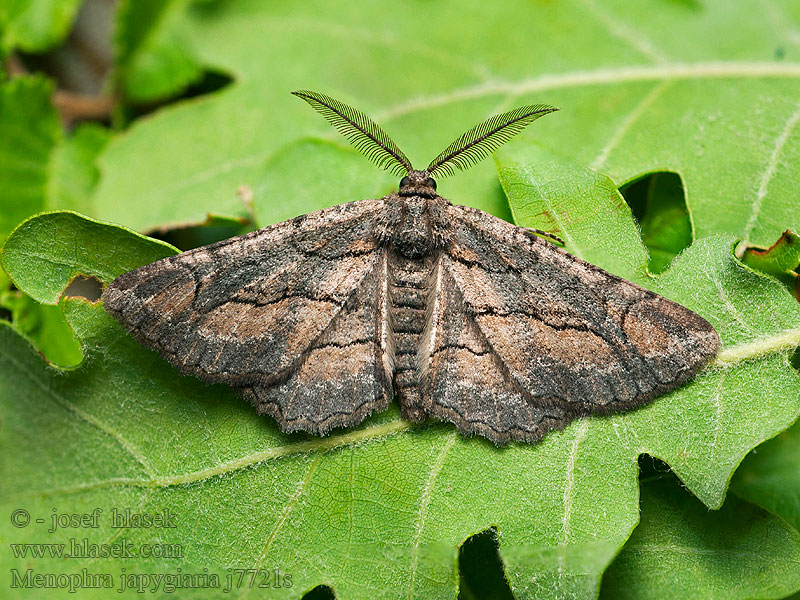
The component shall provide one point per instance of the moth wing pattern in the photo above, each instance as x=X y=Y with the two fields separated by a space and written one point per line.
x=293 y=315
x=462 y=379
x=559 y=337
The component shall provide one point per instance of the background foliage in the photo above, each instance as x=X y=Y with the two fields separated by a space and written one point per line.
x=689 y=107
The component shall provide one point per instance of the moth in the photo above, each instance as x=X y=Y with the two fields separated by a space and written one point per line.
x=324 y=319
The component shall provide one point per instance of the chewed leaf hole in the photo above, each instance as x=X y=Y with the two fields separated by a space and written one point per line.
x=321 y=592
x=481 y=573
x=650 y=466
x=84 y=287
x=658 y=203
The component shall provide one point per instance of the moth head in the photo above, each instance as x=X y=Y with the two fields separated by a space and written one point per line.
x=418 y=183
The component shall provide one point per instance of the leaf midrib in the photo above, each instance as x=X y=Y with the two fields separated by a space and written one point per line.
x=610 y=76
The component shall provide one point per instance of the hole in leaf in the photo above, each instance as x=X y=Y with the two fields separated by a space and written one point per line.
x=480 y=569
x=321 y=592
x=658 y=202
x=84 y=287
x=795 y=359
x=5 y=314
x=650 y=466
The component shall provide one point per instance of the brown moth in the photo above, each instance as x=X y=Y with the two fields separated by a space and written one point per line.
x=321 y=320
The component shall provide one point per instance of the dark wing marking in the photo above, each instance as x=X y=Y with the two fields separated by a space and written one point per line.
x=265 y=311
x=566 y=333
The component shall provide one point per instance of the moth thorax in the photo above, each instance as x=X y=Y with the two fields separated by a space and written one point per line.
x=412 y=238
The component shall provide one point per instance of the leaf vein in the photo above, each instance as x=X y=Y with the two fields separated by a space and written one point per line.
x=424 y=502
x=769 y=172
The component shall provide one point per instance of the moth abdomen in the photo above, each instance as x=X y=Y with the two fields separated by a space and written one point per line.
x=408 y=293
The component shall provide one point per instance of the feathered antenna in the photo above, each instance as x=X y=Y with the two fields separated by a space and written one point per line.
x=361 y=131
x=485 y=138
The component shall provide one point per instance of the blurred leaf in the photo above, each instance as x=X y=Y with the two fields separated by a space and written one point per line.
x=635 y=98
x=41 y=168
x=29 y=130
x=73 y=170
x=154 y=54
x=291 y=187
x=35 y=25
x=682 y=551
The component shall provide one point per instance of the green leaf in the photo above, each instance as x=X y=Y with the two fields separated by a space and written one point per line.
x=42 y=169
x=124 y=430
x=29 y=129
x=35 y=25
x=770 y=478
x=681 y=550
x=73 y=172
x=550 y=192
x=546 y=191
x=154 y=55
x=44 y=325
x=45 y=258
x=720 y=112
x=287 y=188
x=46 y=252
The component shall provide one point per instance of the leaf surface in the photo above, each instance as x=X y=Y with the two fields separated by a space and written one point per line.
x=35 y=25
x=679 y=546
